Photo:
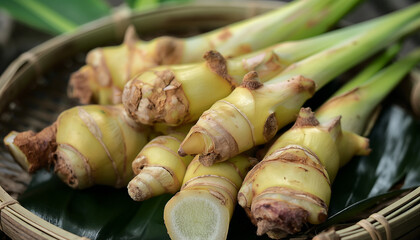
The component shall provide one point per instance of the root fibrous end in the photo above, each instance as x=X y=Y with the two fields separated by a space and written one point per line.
x=37 y=147
x=278 y=217
x=251 y=81
x=217 y=63
x=149 y=104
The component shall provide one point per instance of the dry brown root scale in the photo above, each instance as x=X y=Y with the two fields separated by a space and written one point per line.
x=278 y=216
x=37 y=147
x=65 y=171
x=217 y=63
x=168 y=50
x=157 y=101
x=161 y=94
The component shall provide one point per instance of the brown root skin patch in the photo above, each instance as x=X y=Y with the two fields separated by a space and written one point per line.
x=306 y=118
x=131 y=97
x=303 y=84
x=139 y=163
x=251 y=81
x=168 y=50
x=278 y=216
x=160 y=101
x=159 y=106
x=225 y=34
x=181 y=152
x=245 y=48
x=38 y=147
x=65 y=172
x=209 y=159
x=166 y=76
x=79 y=87
x=217 y=63
x=270 y=127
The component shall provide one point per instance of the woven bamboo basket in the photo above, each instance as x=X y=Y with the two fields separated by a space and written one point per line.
x=33 y=93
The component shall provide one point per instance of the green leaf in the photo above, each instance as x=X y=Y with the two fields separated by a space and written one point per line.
x=56 y=17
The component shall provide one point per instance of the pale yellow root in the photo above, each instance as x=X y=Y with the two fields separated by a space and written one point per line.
x=251 y=115
x=204 y=206
x=291 y=186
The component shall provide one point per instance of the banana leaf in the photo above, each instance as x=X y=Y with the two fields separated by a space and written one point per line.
x=106 y=213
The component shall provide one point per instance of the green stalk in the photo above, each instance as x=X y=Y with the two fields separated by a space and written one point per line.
x=293 y=51
x=253 y=112
x=356 y=104
x=296 y=20
x=323 y=67
x=370 y=70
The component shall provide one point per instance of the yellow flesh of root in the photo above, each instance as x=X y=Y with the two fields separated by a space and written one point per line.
x=15 y=151
x=196 y=215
